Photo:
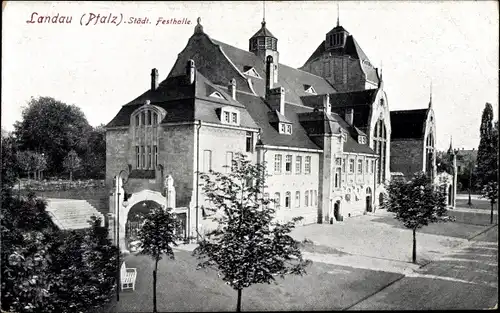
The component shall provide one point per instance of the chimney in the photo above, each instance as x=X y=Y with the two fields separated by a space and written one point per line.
x=154 y=79
x=326 y=104
x=190 y=71
x=231 y=88
x=276 y=99
x=349 y=116
x=269 y=73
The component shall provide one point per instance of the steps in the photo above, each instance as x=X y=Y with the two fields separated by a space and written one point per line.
x=71 y=214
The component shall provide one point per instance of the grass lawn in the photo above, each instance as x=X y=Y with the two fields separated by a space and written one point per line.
x=451 y=229
x=480 y=204
x=182 y=288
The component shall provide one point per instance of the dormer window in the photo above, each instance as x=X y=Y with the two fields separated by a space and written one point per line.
x=362 y=140
x=344 y=136
x=217 y=95
x=309 y=89
x=285 y=128
x=230 y=115
x=250 y=71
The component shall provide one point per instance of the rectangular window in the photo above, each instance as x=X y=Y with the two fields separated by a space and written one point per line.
x=338 y=161
x=288 y=164
x=137 y=119
x=373 y=166
x=306 y=198
x=149 y=158
x=367 y=166
x=226 y=117
x=234 y=118
x=297 y=199
x=343 y=165
x=262 y=43
x=277 y=164
x=249 y=142
x=360 y=166
x=351 y=166
x=288 y=200
x=307 y=165
x=298 y=164
x=137 y=157
x=277 y=200
x=337 y=178
x=288 y=129
x=229 y=162
x=282 y=128
x=156 y=155
x=207 y=160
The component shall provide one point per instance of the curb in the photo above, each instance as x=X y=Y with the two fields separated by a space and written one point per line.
x=481 y=232
x=375 y=292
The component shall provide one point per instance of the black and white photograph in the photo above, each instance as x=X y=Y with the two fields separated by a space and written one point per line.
x=218 y=156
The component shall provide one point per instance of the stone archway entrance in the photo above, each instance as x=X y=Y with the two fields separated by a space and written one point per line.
x=336 y=210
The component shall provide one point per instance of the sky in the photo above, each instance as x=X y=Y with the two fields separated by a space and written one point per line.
x=100 y=67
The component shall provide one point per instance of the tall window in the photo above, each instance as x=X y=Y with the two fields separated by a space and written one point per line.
x=337 y=178
x=249 y=142
x=277 y=164
x=307 y=165
x=277 y=200
x=234 y=118
x=143 y=157
x=148 y=113
x=149 y=157
x=226 y=117
x=207 y=160
x=297 y=199
x=373 y=167
x=380 y=142
x=288 y=164
x=143 y=118
x=137 y=120
x=156 y=155
x=288 y=200
x=155 y=118
x=343 y=165
x=137 y=157
x=298 y=164
x=429 y=154
x=306 y=198
x=351 y=166
x=229 y=162
x=360 y=166
x=367 y=167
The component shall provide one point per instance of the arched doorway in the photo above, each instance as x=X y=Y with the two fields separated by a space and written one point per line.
x=381 y=199
x=368 y=199
x=336 y=211
x=135 y=218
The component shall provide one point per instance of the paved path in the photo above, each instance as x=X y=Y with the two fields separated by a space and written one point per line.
x=465 y=278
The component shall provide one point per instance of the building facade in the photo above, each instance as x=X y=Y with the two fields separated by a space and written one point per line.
x=324 y=130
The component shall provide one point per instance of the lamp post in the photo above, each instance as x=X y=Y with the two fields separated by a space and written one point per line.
x=118 y=185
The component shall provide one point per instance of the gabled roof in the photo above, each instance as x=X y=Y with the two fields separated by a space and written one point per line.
x=408 y=124
x=351 y=49
x=292 y=79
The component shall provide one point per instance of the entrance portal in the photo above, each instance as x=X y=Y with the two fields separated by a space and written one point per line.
x=368 y=203
x=336 y=211
x=381 y=199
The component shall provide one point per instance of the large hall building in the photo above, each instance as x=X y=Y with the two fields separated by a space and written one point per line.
x=324 y=130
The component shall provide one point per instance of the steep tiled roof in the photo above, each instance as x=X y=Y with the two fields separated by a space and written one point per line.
x=292 y=79
x=258 y=110
x=184 y=102
x=408 y=124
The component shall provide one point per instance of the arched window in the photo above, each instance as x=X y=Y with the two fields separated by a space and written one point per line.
x=379 y=145
x=429 y=154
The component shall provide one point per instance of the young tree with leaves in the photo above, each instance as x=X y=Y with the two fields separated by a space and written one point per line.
x=157 y=237
x=71 y=163
x=490 y=192
x=248 y=246
x=416 y=203
x=487 y=158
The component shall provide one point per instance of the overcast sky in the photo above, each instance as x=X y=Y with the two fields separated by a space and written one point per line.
x=100 y=68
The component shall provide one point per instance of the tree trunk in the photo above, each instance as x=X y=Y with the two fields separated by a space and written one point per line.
x=491 y=215
x=238 y=304
x=414 y=254
x=71 y=175
x=154 y=286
